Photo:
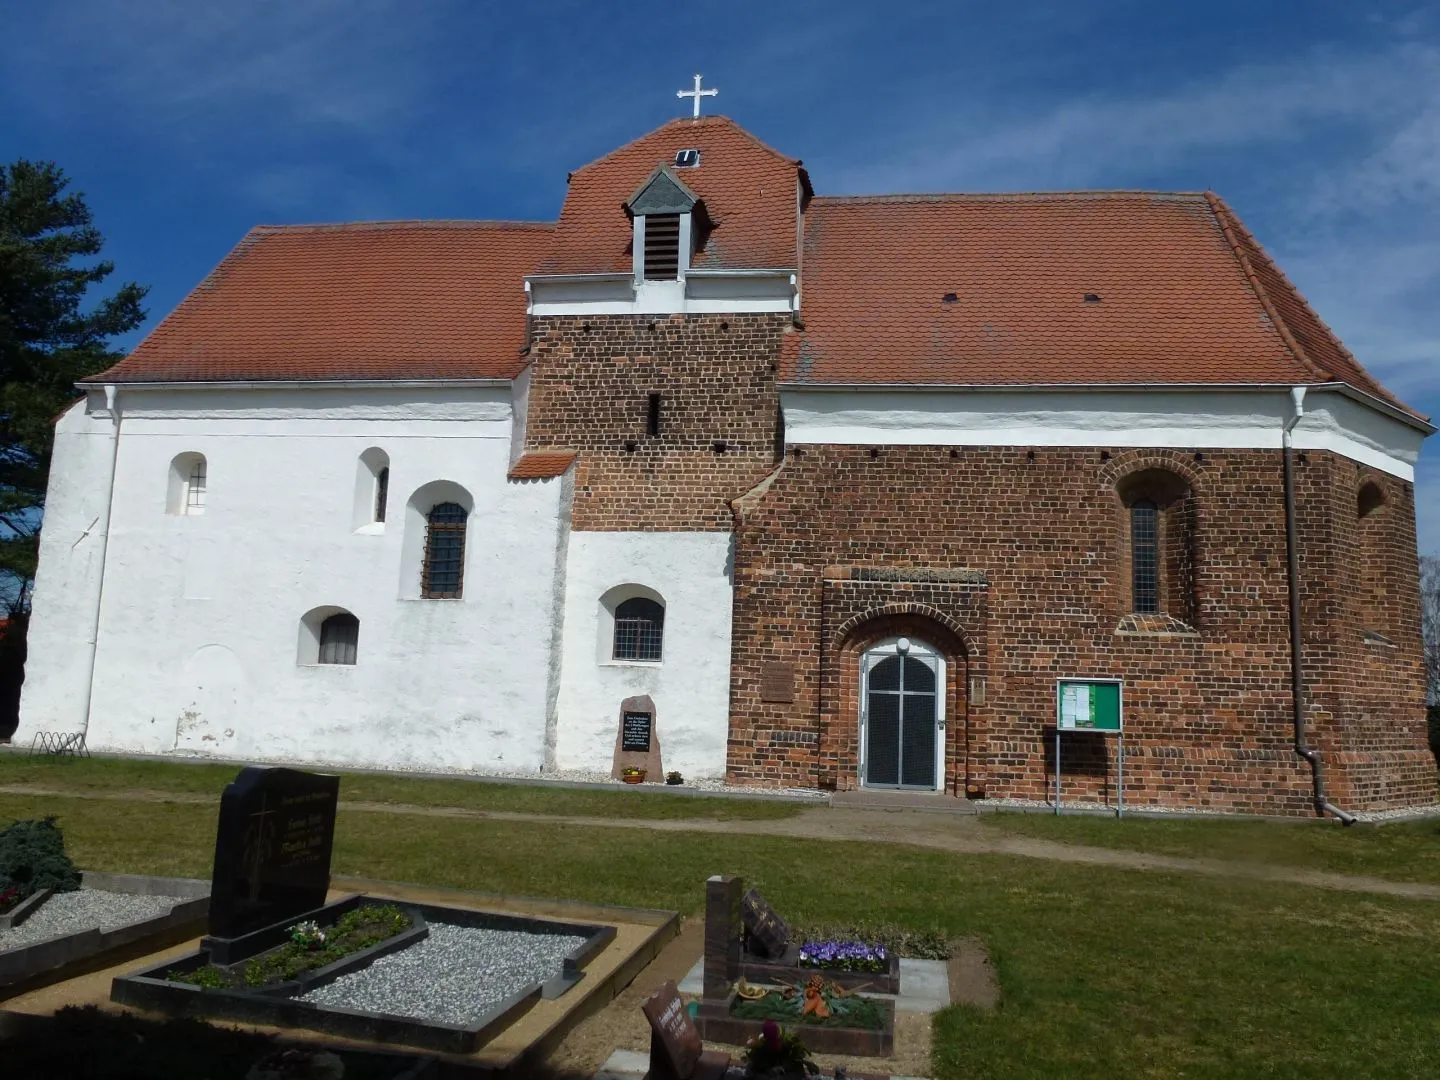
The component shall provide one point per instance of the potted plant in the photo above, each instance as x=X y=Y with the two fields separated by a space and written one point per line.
x=673 y=778
x=632 y=774
x=776 y=1053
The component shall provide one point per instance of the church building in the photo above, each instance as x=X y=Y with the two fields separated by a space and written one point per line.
x=838 y=491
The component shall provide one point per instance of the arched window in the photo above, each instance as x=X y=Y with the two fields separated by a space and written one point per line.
x=639 y=629
x=372 y=491
x=1144 y=556
x=1159 y=525
x=186 y=493
x=382 y=492
x=1373 y=565
x=339 y=639
x=1370 y=499
x=328 y=635
x=442 y=572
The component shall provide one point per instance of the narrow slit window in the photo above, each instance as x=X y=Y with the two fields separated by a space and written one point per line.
x=1145 y=556
x=639 y=630
x=442 y=575
x=382 y=492
x=652 y=416
x=195 y=488
x=339 y=639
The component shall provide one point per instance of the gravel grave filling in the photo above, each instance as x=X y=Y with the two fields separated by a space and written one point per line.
x=85 y=909
x=456 y=975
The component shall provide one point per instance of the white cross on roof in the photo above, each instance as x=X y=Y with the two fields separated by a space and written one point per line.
x=697 y=94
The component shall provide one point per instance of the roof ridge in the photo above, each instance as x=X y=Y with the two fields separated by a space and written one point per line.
x=943 y=196
x=716 y=120
x=1230 y=224
x=397 y=223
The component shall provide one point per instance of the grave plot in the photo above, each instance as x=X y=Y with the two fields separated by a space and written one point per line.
x=747 y=943
x=54 y=920
x=365 y=967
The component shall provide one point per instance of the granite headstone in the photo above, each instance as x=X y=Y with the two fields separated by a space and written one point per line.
x=637 y=740
x=676 y=1052
x=272 y=849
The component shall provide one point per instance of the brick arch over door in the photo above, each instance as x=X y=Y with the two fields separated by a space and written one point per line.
x=839 y=749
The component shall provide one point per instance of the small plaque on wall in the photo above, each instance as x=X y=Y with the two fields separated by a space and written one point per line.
x=777 y=682
x=635 y=732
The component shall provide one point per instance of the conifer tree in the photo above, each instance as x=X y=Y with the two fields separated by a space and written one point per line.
x=53 y=332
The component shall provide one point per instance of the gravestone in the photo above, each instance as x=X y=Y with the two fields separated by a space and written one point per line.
x=637 y=742
x=676 y=1052
x=272 y=851
x=769 y=936
x=722 y=934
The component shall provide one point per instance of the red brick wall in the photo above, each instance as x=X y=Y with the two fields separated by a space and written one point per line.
x=591 y=378
x=1044 y=538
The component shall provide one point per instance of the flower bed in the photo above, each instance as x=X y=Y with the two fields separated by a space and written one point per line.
x=309 y=949
x=833 y=1020
x=841 y=955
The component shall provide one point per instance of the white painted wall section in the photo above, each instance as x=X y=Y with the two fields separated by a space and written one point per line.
x=692 y=572
x=61 y=637
x=201 y=614
x=1220 y=419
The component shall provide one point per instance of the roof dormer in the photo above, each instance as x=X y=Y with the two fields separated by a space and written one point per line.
x=664 y=215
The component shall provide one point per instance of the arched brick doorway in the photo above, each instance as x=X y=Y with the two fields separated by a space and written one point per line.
x=863 y=645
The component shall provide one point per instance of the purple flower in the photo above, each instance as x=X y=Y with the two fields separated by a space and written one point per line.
x=770 y=1032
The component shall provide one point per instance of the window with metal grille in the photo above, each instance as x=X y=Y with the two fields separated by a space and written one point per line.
x=442 y=575
x=195 y=488
x=639 y=629
x=382 y=492
x=339 y=639
x=1145 y=556
x=662 y=247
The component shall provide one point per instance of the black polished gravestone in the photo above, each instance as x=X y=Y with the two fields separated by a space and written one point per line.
x=272 y=852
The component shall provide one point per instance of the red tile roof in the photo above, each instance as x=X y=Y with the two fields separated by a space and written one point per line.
x=542 y=464
x=381 y=300
x=1186 y=295
x=749 y=191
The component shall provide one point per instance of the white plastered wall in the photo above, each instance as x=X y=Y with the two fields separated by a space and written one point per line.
x=200 y=615
x=690 y=686
x=68 y=579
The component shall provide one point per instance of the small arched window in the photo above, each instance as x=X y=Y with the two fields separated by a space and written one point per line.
x=639 y=629
x=1145 y=556
x=442 y=573
x=186 y=493
x=339 y=639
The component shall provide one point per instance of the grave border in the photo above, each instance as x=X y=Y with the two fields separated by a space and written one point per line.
x=65 y=956
x=717 y=1025
x=149 y=989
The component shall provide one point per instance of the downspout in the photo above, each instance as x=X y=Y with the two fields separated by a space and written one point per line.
x=113 y=408
x=1323 y=805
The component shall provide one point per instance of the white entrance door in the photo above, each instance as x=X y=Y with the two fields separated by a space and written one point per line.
x=902 y=716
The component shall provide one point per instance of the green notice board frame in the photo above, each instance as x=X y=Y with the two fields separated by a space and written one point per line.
x=1092 y=705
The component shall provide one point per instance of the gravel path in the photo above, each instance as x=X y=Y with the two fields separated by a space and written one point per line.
x=454 y=976
x=87 y=909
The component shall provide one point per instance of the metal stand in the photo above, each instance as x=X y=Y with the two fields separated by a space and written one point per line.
x=1119 y=772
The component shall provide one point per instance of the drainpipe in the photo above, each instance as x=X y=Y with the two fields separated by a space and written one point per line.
x=112 y=406
x=1323 y=805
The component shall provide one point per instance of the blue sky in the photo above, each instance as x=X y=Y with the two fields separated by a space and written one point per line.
x=185 y=123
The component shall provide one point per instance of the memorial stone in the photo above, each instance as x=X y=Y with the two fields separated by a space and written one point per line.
x=676 y=1052
x=769 y=936
x=637 y=742
x=722 y=934
x=272 y=849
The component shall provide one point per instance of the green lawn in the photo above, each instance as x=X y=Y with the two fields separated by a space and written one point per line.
x=1105 y=973
x=1408 y=851
x=114 y=774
